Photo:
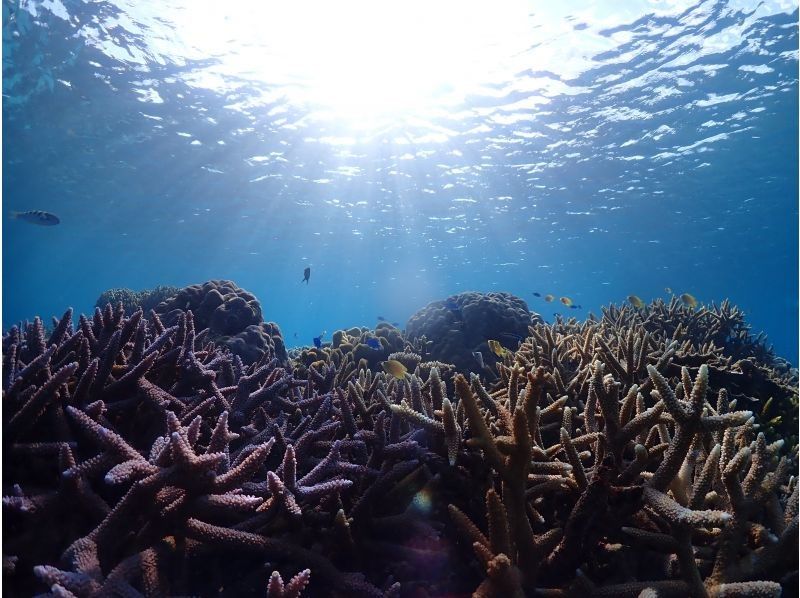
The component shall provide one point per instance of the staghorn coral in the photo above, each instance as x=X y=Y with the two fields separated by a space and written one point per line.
x=462 y=324
x=133 y=300
x=604 y=458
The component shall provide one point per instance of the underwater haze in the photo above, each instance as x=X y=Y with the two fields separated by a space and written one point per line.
x=404 y=152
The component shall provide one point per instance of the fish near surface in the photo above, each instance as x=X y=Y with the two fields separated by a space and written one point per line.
x=37 y=217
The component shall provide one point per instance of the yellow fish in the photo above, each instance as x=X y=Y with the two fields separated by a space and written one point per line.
x=395 y=368
x=497 y=348
x=689 y=300
x=636 y=301
x=549 y=298
x=566 y=301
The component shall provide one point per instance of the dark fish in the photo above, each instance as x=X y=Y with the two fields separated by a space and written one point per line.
x=575 y=307
x=510 y=335
x=396 y=324
x=306 y=275
x=479 y=358
x=37 y=217
x=537 y=294
x=318 y=341
x=381 y=319
x=374 y=343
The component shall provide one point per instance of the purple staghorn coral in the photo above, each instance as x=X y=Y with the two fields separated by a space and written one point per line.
x=602 y=458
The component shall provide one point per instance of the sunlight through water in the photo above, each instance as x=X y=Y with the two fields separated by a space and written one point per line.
x=360 y=60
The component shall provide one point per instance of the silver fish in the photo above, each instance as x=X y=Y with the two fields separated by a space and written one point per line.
x=37 y=217
x=479 y=358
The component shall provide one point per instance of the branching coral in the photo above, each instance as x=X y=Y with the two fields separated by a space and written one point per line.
x=605 y=458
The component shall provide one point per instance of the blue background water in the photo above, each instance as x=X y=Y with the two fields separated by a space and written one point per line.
x=621 y=152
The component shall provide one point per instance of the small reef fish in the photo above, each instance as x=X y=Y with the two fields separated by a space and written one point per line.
x=566 y=301
x=318 y=342
x=497 y=348
x=535 y=294
x=395 y=368
x=689 y=300
x=549 y=298
x=381 y=319
x=37 y=217
x=396 y=324
x=306 y=275
x=511 y=336
x=635 y=301
x=575 y=307
x=668 y=290
x=479 y=358
x=374 y=343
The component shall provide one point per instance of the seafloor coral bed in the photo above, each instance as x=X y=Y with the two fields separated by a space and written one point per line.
x=637 y=454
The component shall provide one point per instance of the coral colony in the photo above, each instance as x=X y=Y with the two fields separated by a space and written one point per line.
x=183 y=451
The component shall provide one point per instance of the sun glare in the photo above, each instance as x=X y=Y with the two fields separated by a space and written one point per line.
x=362 y=60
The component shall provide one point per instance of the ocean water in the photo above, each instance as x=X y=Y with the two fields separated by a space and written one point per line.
x=404 y=152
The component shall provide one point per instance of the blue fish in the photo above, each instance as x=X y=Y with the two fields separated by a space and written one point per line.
x=306 y=275
x=537 y=294
x=381 y=319
x=37 y=217
x=575 y=307
x=374 y=343
x=318 y=341
x=396 y=324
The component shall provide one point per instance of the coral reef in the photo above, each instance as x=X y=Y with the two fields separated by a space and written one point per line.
x=133 y=300
x=604 y=458
x=229 y=316
x=462 y=324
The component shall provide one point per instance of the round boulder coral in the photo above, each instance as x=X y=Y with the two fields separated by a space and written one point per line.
x=462 y=324
x=219 y=305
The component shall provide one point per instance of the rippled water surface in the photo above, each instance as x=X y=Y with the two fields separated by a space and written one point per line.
x=404 y=152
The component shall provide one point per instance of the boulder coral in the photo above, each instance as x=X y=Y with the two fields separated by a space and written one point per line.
x=463 y=323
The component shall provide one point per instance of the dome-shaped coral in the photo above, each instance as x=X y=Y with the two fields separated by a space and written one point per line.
x=461 y=325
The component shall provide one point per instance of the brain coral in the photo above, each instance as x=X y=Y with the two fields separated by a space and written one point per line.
x=461 y=324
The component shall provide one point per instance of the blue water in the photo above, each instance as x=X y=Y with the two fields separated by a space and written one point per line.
x=605 y=150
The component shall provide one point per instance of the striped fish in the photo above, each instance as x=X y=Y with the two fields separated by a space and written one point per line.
x=37 y=217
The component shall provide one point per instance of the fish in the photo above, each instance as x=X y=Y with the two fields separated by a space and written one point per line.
x=37 y=217
x=374 y=343
x=636 y=301
x=381 y=319
x=318 y=342
x=306 y=275
x=479 y=358
x=668 y=290
x=549 y=298
x=510 y=335
x=535 y=294
x=497 y=348
x=566 y=301
x=575 y=307
x=689 y=300
x=396 y=324
x=395 y=368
